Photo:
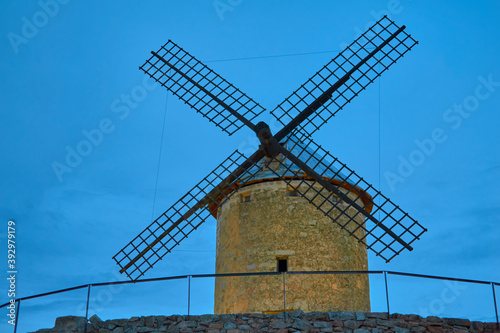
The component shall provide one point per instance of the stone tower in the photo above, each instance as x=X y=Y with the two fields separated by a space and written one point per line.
x=266 y=222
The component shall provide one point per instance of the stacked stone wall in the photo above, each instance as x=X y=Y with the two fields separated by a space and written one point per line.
x=297 y=321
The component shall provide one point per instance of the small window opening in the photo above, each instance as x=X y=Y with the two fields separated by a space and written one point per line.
x=246 y=197
x=292 y=191
x=282 y=265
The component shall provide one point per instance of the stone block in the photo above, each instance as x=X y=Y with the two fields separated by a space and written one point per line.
x=337 y=323
x=360 y=315
x=130 y=329
x=295 y=314
x=370 y=323
x=478 y=326
x=230 y=326
x=406 y=317
x=281 y=315
x=151 y=321
x=259 y=315
x=386 y=323
x=233 y=331
x=301 y=325
x=490 y=326
x=352 y=324
x=414 y=318
x=189 y=324
x=173 y=328
x=216 y=326
x=96 y=321
x=291 y=314
x=342 y=315
x=244 y=327
x=398 y=329
x=361 y=330
x=69 y=322
x=143 y=329
x=377 y=315
x=457 y=322
x=418 y=329
x=316 y=316
x=435 y=329
x=227 y=317
x=117 y=322
x=281 y=324
x=396 y=316
x=321 y=324
x=433 y=319
x=176 y=318
x=208 y=317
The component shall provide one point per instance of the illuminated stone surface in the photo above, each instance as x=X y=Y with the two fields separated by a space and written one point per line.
x=252 y=235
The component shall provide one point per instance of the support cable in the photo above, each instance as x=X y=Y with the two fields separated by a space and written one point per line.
x=159 y=158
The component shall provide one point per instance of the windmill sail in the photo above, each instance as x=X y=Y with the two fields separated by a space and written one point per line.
x=201 y=88
x=387 y=230
x=185 y=216
x=363 y=61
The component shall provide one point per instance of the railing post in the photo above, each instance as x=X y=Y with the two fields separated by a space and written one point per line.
x=189 y=295
x=495 y=302
x=284 y=295
x=17 y=315
x=87 y=309
x=387 y=294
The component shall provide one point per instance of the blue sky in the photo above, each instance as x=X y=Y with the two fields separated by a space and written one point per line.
x=67 y=68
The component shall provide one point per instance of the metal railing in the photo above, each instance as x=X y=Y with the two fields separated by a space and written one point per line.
x=17 y=301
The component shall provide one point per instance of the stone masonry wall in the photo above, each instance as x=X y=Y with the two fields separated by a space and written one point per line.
x=297 y=321
x=253 y=234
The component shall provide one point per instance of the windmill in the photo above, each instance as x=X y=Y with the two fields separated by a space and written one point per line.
x=363 y=218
